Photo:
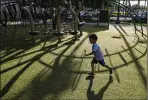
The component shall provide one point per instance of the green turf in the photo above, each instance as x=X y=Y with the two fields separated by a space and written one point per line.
x=47 y=71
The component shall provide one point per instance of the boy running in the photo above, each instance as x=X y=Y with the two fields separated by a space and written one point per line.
x=98 y=55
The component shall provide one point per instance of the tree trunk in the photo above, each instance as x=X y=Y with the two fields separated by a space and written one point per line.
x=58 y=19
x=75 y=18
x=75 y=15
x=30 y=18
x=58 y=22
x=54 y=21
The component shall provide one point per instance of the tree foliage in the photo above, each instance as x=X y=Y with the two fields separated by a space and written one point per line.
x=86 y=3
x=97 y=3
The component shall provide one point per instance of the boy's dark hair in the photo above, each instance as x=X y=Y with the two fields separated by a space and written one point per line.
x=93 y=36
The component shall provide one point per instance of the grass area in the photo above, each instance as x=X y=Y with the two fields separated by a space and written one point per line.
x=144 y=24
x=46 y=70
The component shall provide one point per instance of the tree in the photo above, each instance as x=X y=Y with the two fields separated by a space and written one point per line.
x=98 y=4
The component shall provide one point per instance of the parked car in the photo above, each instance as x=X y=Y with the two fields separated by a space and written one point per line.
x=144 y=17
x=115 y=14
x=87 y=16
x=141 y=16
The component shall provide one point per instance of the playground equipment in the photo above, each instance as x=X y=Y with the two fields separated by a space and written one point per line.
x=42 y=21
x=25 y=15
x=8 y=17
x=131 y=12
x=33 y=32
x=47 y=20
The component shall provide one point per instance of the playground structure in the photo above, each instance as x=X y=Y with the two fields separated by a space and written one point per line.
x=104 y=15
x=132 y=13
x=50 y=20
x=63 y=63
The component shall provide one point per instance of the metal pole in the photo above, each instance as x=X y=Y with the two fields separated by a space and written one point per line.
x=118 y=21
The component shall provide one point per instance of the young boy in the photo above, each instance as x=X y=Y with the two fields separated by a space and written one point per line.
x=98 y=56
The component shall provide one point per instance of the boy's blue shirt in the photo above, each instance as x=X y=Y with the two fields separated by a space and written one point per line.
x=98 y=53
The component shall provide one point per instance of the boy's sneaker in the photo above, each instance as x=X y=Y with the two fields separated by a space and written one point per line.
x=110 y=70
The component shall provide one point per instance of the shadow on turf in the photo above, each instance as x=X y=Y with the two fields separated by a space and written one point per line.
x=14 y=79
x=123 y=30
x=23 y=44
x=22 y=63
x=117 y=66
x=140 y=68
x=54 y=82
x=94 y=28
x=17 y=55
x=116 y=37
x=137 y=63
x=99 y=95
x=28 y=63
x=114 y=70
x=78 y=76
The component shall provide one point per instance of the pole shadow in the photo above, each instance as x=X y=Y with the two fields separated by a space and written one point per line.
x=78 y=76
x=114 y=69
x=8 y=86
x=137 y=63
x=55 y=81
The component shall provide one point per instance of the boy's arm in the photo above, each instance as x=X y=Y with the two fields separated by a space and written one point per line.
x=90 y=53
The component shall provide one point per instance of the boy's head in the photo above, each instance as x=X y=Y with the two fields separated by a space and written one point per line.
x=93 y=38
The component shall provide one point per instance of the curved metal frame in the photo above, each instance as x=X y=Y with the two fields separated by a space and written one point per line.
x=127 y=9
x=33 y=10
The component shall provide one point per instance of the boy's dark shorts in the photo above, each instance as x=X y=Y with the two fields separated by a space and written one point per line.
x=96 y=61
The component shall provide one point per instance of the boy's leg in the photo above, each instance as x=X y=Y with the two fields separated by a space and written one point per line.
x=98 y=67
x=103 y=64
x=106 y=66
x=110 y=69
x=92 y=67
x=93 y=62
